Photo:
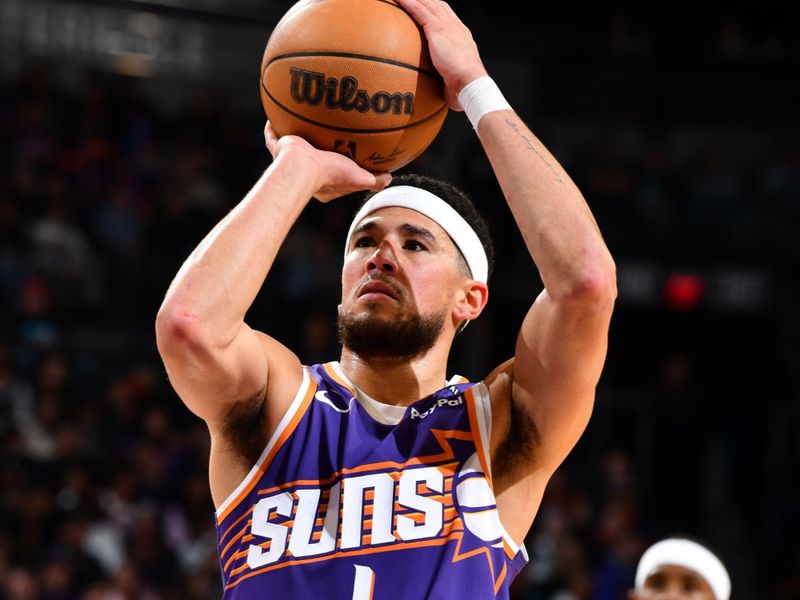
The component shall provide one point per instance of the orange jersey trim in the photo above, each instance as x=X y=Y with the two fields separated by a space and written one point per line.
x=288 y=430
x=440 y=460
x=338 y=379
x=476 y=433
x=390 y=547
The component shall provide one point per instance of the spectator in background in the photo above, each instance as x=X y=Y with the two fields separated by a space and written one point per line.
x=680 y=569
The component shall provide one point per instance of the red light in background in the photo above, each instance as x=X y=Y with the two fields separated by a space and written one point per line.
x=684 y=291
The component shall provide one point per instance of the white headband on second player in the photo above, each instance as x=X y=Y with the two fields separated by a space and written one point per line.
x=689 y=555
x=436 y=209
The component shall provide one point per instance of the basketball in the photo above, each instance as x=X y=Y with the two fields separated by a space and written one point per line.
x=355 y=77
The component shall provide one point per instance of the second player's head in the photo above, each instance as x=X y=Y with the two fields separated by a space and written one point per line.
x=680 y=569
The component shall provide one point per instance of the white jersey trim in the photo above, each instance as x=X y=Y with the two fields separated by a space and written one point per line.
x=483 y=410
x=256 y=470
x=387 y=414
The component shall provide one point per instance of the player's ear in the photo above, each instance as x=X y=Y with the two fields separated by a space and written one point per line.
x=472 y=299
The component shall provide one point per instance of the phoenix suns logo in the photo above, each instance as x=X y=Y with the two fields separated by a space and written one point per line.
x=398 y=506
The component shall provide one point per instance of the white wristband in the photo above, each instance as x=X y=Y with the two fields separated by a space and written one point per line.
x=481 y=96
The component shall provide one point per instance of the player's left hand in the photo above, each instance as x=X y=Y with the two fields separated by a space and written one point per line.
x=335 y=174
x=453 y=50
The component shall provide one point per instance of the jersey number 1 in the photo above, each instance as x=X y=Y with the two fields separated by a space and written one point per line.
x=364 y=584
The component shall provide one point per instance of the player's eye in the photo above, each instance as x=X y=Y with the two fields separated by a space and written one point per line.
x=414 y=245
x=690 y=585
x=656 y=582
x=364 y=242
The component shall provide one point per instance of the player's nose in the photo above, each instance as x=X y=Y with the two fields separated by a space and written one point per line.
x=382 y=260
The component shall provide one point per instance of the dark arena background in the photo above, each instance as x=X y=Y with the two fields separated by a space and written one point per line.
x=130 y=127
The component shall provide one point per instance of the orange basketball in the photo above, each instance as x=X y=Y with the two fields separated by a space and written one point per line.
x=353 y=76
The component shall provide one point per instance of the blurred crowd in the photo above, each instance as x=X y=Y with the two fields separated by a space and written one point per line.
x=103 y=488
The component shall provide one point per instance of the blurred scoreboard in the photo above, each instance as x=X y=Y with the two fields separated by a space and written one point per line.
x=201 y=39
x=725 y=289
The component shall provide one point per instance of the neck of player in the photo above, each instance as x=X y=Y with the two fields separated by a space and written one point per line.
x=398 y=381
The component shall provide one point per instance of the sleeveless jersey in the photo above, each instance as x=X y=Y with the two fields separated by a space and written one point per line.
x=346 y=502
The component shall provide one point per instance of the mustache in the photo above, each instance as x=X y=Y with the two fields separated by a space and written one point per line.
x=388 y=282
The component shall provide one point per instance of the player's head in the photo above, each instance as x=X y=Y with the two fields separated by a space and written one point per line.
x=680 y=569
x=417 y=262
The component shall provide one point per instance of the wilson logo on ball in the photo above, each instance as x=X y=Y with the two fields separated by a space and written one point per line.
x=312 y=87
x=353 y=76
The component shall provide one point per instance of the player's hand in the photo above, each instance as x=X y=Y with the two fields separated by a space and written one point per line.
x=336 y=174
x=452 y=48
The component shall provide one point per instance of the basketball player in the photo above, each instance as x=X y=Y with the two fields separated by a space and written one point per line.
x=375 y=476
x=680 y=569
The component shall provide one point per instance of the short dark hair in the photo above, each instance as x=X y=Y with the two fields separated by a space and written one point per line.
x=456 y=198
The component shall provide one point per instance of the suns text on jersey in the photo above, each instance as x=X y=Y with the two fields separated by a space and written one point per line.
x=392 y=506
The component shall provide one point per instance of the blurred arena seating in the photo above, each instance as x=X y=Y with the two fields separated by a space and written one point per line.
x=130 y=127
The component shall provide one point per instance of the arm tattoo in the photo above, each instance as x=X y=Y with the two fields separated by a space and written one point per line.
x=531 y=147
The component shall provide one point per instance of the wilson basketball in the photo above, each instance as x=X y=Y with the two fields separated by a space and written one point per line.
x=355 y=77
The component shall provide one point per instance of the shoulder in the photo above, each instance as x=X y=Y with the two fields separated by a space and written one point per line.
x=514 y=435
x=285 y=375
x=499 y=384
x=250 y=422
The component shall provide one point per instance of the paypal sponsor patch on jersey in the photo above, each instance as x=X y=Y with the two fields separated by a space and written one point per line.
x=416 y=414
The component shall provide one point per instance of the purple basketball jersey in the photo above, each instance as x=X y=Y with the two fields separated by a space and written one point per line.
x=350 y=502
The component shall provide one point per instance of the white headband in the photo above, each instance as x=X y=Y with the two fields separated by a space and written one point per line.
x=689 y=555
x=436 y=209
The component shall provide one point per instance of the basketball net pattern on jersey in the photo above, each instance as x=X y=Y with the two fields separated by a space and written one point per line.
x=345 y=504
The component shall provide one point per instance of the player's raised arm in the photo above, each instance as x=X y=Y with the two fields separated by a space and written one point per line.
x=562 y=343
x=219 y=366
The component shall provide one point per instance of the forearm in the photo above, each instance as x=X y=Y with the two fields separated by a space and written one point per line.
x=554 y=219
x=220 y=279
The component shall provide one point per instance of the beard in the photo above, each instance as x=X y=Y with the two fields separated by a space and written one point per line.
x=371 y=336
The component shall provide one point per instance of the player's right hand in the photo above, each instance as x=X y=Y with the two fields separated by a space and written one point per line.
x=336 y=175
x=453 y=50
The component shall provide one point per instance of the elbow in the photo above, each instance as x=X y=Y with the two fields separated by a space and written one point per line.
x=177 y=328
x=594 y=287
